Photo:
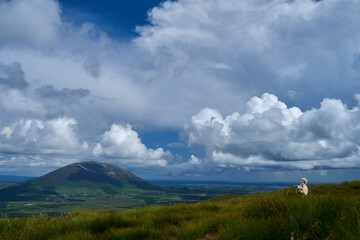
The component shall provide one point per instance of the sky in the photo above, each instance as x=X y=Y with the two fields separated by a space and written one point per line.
x=243 y=91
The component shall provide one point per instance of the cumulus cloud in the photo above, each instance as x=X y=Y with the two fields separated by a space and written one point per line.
x=191 y=55
x=192 y=52
x=271 y=135
x=58 y=137
x=123 y=144
x=275 y=46
x=33 y=136
x=42 y=121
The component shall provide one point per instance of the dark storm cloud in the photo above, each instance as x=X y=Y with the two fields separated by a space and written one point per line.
x=92 y=67
x=12 y=76
x=67 y=95
x=64 y=102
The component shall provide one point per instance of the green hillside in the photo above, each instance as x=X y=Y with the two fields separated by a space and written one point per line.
x=4 y=184
x=77 y=178
x=97 y=186
x=328 y=212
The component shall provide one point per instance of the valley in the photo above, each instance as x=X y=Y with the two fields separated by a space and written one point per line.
x=70 y=198
x=95 y=186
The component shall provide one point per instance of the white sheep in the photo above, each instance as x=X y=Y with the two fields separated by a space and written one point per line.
x=302 y=188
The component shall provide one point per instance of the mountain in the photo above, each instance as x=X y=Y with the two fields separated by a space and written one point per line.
x=94 y=172
x=77 y=178
x=94 y=185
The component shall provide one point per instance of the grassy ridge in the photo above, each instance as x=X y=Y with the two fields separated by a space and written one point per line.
x=329 y=212
x=4 y=184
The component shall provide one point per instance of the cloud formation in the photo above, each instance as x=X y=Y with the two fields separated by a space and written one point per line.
x=36 y=22
x=271 y=135
x=123 y=144
x=192 y=55
x=193 y=166
x=39 y=141
x=41 y=124
x=256 y=46
x=32 y=136
x=12 y=76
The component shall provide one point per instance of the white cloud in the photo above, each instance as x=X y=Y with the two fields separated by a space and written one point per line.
x=192 y=55
x=7 y=131
x=193 y=166
x=34 y=136
x=17 y=104
x=32 y=165
x=36 y=22
x=276 y=46
x=357 y=97
x=271 y=135
x=123 y=144
x=194 y=160
x=44 y=120
x=176 y=145
x=195 y=54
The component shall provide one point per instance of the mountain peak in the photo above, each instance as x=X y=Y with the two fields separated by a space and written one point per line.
x=88 y=174
x=95 y=172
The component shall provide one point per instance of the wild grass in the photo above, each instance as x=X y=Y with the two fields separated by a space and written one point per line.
x=328 y=212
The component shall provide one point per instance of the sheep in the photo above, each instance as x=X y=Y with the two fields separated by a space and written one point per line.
x=302 y=188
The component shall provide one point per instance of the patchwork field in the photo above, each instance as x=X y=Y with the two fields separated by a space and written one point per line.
x=70 y=197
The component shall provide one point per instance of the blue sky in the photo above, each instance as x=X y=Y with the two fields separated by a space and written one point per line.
x=117 y=18
x=208 y=90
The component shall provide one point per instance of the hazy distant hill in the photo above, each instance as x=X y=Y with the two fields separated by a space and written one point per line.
x=13 y=179
x=79 y=177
